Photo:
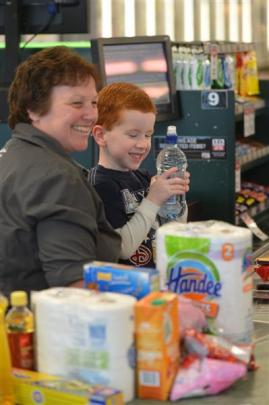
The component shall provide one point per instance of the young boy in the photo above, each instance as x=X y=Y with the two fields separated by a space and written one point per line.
x=132 y=199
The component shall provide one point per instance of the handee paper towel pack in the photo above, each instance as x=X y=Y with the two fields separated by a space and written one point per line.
x=86 y=335
x=210 y=261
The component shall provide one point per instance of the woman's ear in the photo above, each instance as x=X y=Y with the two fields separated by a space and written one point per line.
x=98 y=132
x=34 y=117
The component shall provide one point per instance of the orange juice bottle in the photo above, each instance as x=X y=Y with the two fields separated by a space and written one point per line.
x=20 y=330
x=6 y=388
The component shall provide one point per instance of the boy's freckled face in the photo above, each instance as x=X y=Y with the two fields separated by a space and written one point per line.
x=128 y=142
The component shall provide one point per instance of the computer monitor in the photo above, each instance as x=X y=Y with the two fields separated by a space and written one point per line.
x=144 y=61
x=67 y=16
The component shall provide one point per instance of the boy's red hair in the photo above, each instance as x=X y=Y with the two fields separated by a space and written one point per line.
x=116 y=97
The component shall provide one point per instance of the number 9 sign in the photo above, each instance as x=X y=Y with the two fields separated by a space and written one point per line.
x=214 y=99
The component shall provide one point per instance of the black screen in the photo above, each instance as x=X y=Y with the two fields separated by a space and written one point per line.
x=144 y=61
x=66 y=16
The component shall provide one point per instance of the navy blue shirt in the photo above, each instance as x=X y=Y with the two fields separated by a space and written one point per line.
x=122 y=192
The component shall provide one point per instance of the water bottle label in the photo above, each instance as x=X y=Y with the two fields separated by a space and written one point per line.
x=172 y=200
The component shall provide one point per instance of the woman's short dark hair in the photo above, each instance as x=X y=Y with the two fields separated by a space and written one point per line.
x=36 y=77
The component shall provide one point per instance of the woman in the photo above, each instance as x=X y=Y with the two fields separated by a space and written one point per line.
x=51 y=219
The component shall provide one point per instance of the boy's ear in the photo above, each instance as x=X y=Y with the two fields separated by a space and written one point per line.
x=98 y=132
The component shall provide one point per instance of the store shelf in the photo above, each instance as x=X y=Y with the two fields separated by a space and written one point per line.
x=260 y=211
x=258 y=103
x=259 y=214
x=258 y=112
x=262 y=217
x=222 y=46
x=252 y=163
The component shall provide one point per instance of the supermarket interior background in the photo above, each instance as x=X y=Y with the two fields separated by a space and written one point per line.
x=205 y=64
x=180 y=32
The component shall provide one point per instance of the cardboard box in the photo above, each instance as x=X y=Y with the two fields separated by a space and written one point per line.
x=33 y=388
x=157 y=344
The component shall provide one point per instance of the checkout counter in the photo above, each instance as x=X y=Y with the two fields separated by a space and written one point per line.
x=252 y=390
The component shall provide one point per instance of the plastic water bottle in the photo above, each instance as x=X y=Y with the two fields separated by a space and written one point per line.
x=172 y=156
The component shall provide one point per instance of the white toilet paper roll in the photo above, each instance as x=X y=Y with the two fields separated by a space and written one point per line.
x=209 y=261
x=82 y=333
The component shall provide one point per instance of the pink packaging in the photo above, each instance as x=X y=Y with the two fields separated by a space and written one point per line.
x=205 y=377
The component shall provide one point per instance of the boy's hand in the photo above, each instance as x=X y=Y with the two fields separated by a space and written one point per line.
x=164 y=186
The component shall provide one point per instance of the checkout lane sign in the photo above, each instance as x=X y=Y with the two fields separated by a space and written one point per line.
x=214 y=100
x=203 y=147
x=197 y=147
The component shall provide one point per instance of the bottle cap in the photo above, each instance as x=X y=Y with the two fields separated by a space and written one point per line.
x=172 y=129
x=18 y=298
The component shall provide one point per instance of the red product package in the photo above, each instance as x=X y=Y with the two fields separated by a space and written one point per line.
x=263 y=272
x=262 y=268
x=215 y=347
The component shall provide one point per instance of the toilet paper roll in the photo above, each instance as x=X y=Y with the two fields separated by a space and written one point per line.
x=210 y=261
x=86 y=334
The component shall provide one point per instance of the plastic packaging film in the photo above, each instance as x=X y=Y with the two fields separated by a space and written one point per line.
x=86 y=335
x=210 y=261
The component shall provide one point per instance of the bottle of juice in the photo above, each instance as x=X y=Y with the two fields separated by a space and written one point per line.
x=20 y=329
x=6 y=389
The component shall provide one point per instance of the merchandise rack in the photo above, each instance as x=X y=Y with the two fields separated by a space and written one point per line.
x=213 y=179
x=221 y=46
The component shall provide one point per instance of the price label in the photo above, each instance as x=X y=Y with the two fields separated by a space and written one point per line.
x=211 y=100
x=214 y=61
x=237 y=177
x=249 y=120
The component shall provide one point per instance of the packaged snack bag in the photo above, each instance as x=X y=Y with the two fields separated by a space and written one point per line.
x=205 y=377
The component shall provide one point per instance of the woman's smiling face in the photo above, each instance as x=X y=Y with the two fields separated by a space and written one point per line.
x=72 y=115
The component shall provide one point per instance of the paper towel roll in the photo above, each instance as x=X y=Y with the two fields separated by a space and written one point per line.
x=209 y=261
x=87 y=335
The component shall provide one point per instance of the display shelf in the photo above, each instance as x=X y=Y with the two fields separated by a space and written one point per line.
x=255 y=163
x=259 y=214
x=222 y=46
x=262 y=217
x=252 y=163
x=239 y=116
x=258 y=103
x=262 y=220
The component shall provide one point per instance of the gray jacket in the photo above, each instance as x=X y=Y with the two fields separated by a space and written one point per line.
x=51 y=219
